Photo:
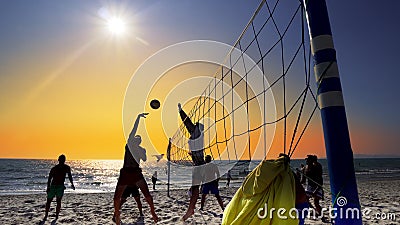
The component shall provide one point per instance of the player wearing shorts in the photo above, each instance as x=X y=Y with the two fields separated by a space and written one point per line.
x=55 y=184
x=131 y=174
x=134 y=192
x=211 y=178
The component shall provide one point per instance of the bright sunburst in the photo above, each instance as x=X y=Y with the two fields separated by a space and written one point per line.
x=116 y=25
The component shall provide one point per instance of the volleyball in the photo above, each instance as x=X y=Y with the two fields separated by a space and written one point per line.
x=155 y=104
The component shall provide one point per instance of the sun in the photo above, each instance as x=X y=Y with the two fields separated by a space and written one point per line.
x=116 y=25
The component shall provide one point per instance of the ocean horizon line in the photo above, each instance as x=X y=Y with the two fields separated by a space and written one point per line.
x=356 y=156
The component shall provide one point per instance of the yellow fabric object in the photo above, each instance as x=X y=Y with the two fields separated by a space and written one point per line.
x=270 y=185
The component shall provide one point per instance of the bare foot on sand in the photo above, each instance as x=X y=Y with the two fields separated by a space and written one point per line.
x=188 y=214
x=117 y=218
x=155 y=217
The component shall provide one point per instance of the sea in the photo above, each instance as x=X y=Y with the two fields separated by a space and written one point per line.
x=29 y=176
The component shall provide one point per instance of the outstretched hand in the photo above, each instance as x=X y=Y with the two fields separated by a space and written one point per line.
x=143 y=115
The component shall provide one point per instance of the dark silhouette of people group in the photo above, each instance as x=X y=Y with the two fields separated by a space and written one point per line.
x=131 y=178
x=205 y=174
x=309 y=183
x=313 y=174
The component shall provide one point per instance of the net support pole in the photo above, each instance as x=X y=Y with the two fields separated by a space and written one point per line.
x=169 y=175
x=168 y=166
x=330 y=99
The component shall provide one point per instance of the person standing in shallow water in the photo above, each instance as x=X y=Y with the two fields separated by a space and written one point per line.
x=55 y=185
x=131 y=173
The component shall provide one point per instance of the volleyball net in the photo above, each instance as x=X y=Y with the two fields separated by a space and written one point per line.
x=259 y=102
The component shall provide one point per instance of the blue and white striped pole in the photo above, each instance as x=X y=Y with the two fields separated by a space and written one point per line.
x=330 y=99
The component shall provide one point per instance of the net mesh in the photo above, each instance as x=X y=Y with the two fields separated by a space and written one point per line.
x=260 y=102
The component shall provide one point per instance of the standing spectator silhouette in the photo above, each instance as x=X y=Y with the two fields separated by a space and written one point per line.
x=55 y=185
x=228 y=178
x=154 y=179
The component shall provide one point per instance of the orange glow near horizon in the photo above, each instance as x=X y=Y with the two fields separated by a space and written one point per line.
x=41 y=143
x=65 y=81
x=78 y=111
x=70 y=106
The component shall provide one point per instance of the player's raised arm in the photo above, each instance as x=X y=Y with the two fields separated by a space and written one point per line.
x=186 y=120
x=136 y=124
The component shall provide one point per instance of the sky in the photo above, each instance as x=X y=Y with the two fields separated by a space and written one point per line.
x=64 y=74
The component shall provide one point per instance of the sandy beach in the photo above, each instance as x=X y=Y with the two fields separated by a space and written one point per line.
x=379 y=196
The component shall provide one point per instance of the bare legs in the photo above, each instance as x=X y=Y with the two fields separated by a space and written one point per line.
x=47 y=208
x=219 y=199
x=139 y=205
x=119 y=190
x=316 y=204
x=203 y=200
x=58 y=207
x=138 y=202
x=192 y=203
x=122 y=201
x=145 y=190
x=318 y=207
